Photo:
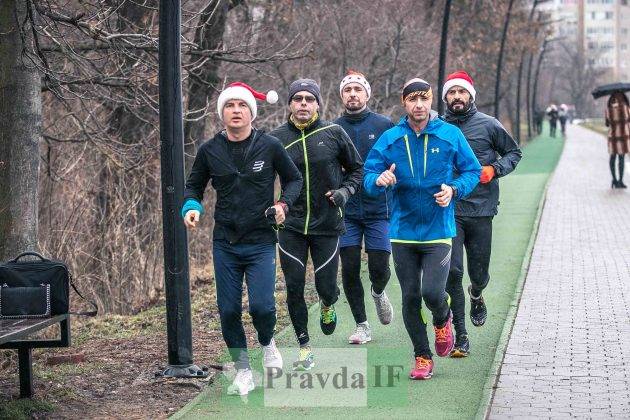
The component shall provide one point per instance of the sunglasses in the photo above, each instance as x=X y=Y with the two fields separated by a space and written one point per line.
x=298 y=98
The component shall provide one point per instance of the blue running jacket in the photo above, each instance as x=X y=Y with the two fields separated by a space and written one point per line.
x=438 y=155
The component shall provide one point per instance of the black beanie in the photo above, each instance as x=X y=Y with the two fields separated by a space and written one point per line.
x=307 y=85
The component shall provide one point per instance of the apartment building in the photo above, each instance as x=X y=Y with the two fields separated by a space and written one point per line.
x=600 y=30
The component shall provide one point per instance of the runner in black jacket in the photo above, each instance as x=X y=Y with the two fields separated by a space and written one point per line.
x=242 y=163
x=332 y=171
x=498 y=154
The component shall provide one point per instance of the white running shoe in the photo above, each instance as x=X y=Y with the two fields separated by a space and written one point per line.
x=271 y=356
x=361 y=335
x=243 y=383
x=384 y=308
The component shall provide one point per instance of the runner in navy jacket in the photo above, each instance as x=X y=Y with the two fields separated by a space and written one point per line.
x=367 y=217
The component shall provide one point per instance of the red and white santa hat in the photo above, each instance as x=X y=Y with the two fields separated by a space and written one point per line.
x=459 y=78
x=242 y=91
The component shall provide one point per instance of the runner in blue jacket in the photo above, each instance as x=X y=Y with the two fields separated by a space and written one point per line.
x=425 y=163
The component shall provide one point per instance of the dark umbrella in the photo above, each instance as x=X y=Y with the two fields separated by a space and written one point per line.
x=610 y=89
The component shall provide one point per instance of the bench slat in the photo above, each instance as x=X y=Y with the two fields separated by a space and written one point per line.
x=15 y=329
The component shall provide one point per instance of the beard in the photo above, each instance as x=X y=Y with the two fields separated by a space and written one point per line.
x=356 y=106
x=458 y=107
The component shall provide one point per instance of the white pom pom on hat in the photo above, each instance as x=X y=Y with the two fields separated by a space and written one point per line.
x=272 y=97
x=242 y=91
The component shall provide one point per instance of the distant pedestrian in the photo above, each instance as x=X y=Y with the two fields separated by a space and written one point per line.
x=618 y=121
x=539 y=116
x=552 y=114
x=563 y=115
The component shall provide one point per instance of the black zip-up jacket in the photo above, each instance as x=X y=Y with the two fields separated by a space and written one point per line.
x=243 y=196
x=328 y=160
x=492 y=145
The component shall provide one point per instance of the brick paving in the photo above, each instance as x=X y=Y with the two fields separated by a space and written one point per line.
x=569 y=352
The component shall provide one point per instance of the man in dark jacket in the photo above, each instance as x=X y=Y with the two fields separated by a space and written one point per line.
x=367 y=217
x=498 y=154
x=552 y=113
x=242 y=163
x=332 y=171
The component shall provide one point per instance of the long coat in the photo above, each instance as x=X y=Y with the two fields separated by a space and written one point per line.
x=618 y=121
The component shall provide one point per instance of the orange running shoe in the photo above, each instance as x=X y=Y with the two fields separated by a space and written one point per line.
x=423 y=369
x=444 y=338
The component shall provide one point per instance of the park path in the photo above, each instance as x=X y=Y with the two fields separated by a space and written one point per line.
x=569 y=351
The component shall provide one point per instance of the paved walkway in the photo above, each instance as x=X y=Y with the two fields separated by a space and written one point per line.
x=569 y=351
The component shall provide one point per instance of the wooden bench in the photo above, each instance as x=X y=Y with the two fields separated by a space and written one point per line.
x=14 y=334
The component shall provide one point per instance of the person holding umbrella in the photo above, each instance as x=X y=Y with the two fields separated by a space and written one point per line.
x=618 y=123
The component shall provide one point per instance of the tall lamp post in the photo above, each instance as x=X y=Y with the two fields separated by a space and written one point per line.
x=176 y=276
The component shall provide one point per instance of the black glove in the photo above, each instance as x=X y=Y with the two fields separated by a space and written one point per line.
x=338 y=198
x=270 y=215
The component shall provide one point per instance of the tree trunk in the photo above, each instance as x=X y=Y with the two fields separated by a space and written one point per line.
x=497 y=86
x=517 y=132
x=20 y=130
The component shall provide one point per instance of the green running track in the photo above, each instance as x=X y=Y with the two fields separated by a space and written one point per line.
x=460 y=388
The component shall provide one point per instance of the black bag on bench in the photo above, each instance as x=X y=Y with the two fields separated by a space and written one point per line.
x=36 y=288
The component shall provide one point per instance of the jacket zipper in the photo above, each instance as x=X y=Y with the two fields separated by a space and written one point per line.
x=409 y=155
x=308 y=185
x=426 y=143
x=308 y=182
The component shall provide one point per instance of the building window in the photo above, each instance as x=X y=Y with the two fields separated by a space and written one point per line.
x=609 y=15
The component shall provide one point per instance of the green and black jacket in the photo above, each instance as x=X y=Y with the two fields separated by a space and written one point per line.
x=328 y=160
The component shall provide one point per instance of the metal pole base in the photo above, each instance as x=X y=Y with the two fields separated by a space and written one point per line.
x=183 y=371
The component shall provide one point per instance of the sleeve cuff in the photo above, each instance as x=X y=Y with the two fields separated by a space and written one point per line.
x=192 y=204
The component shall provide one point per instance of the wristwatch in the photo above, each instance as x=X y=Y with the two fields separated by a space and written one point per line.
x=454 y=190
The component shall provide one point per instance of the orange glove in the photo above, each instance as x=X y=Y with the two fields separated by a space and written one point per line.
x=487 y=173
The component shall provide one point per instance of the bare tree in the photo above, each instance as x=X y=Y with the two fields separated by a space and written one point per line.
x=20 y=129
x=578 y=76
